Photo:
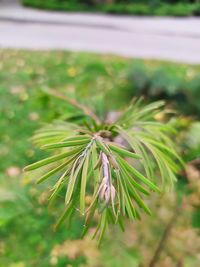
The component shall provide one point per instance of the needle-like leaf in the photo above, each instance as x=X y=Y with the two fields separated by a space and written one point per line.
x=72 y=180
x=124 y=152
x=138 y=175
x=55 y=170
x=102 y=146
x=66 y=144
x=68 y=210
x=83 y=184
x=52 y=159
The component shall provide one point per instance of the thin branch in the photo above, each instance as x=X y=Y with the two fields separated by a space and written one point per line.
x=165 y=236
x=76 y=104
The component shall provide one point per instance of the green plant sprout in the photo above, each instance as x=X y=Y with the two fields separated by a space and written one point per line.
x=114 y=164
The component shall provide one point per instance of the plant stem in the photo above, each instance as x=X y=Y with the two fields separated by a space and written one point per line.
x=76 y=104
x=165 y=236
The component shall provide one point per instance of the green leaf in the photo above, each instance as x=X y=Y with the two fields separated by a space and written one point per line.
x=50 y=173
x=66 y=214
x=47 y=135
x=74 y=173
x=52 y=159
x=102 y=227
x=138 y=113
x=128 y=204
x=132 y=181
x=152 y=106
x=121 y=224
x=58 y=187
x=164 y=163
x=124 y=152
x=146 y=161
x=139 y=175
x=95 y=161
x=98 y=163
x=129 y=207
x=94 y=197
x=66 y=144
x=88 y=220
x=83 y=184
x=138 y=199
x=121 y=192
x=163 y=147
x=102 y=146
x=77 y=138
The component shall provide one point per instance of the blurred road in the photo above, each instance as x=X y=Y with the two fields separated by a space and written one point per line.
x=174 y=39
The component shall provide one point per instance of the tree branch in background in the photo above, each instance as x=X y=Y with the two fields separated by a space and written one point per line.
x=165 y=236
x=76 y=104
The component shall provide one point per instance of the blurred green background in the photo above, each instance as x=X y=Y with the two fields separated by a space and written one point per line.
x=106 y=83
x=179 y=8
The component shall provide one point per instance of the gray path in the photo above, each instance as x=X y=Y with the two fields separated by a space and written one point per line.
x=157 y=38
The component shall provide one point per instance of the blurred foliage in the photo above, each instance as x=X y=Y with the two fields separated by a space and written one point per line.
x=144 y=7
x=193 y=141
x=27 y=238
x=180 y=86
